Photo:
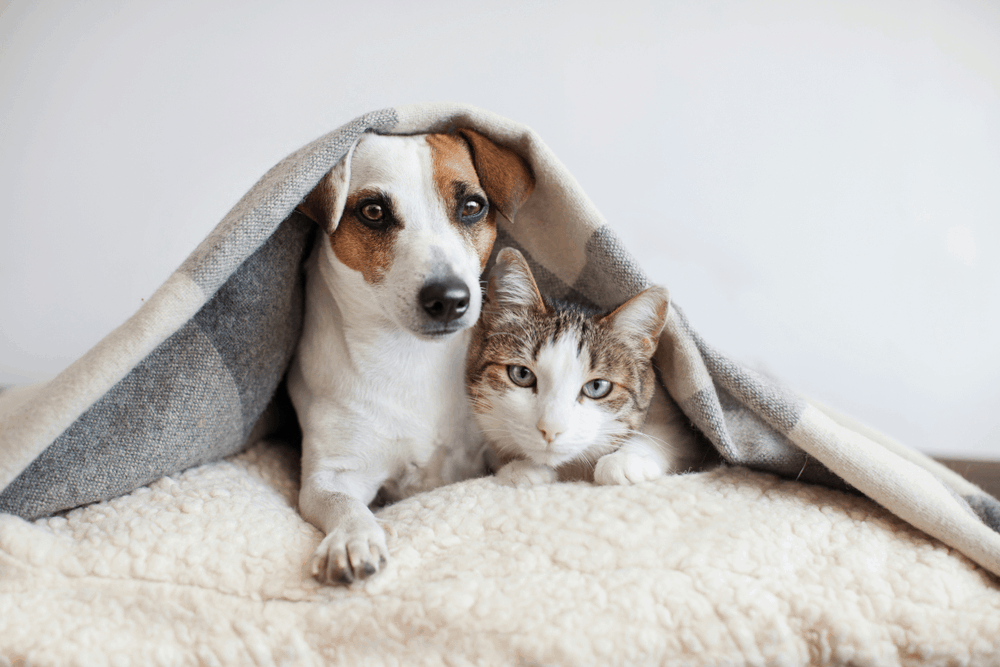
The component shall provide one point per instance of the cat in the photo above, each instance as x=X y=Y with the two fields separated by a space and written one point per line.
x=561 y=392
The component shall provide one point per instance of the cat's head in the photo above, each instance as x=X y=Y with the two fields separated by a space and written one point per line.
x=554 y=383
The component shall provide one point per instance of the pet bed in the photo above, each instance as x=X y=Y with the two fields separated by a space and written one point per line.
x=201 y=560
x=730 y=567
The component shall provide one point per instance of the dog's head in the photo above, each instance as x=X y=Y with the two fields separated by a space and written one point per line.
x=411 y=220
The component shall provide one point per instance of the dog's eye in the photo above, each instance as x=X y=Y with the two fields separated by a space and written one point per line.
x=472 y=209
x=597 y=388
x=520 y=375
x=373 y=212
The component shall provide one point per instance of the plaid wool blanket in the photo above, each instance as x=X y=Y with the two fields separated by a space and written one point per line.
x=188 y=378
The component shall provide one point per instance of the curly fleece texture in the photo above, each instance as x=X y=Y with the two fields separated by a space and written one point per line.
x=728 y=567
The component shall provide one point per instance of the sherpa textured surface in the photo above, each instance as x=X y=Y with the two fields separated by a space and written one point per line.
x=730 y=567
x=184 y=382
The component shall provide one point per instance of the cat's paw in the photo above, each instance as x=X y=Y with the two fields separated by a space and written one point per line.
x=525 y=473
x=626 y=467
x=351 y=552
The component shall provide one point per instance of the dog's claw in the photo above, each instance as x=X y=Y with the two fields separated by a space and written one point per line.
x=346 y=557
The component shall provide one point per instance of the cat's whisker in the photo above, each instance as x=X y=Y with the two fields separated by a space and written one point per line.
x=520 y=340
x=524 y=327
x=611 y=432
x=518 y=324
x=503 y=333
x=502 y=448
x=493 y=430
x=663 y=443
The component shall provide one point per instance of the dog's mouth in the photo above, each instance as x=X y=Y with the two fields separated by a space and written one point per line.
x=438 y=330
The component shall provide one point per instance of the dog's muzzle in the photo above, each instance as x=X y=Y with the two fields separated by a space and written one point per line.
x=445 y=299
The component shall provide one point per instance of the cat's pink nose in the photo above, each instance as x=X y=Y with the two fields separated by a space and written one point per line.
x=549 y=430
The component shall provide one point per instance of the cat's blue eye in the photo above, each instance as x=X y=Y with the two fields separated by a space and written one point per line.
x=520 y=375
x=597 y=388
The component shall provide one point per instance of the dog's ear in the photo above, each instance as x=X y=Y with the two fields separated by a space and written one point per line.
x=504 y=174
x=511 y=283
x=325 y=203
x=642 y=317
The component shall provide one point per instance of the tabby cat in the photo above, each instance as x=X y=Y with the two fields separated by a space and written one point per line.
x=562 y=392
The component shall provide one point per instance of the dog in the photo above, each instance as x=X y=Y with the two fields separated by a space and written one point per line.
x=392 y=288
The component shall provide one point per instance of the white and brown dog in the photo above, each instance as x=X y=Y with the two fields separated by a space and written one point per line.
x=391 y=291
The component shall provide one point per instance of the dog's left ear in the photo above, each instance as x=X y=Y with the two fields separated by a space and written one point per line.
x=504 y=174
x=325 y=203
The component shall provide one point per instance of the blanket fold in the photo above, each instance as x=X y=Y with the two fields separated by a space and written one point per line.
x=184 y=380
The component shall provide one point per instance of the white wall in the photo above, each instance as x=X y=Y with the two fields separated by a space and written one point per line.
x=818 y=183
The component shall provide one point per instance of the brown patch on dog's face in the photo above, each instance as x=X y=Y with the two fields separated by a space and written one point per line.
x=458 y=187
x=363 y=243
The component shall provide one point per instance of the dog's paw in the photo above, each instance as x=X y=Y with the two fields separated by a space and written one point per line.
x=351 y=553
x=626 y=467
x=525 y=473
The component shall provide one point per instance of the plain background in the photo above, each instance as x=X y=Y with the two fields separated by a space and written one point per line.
x=817 y=183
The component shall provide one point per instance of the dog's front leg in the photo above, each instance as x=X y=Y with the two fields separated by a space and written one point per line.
x=354 y=547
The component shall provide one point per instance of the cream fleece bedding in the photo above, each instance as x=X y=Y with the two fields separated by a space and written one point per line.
x=729 y=567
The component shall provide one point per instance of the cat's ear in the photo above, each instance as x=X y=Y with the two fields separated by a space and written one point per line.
x=511 y=283
x=642 y=317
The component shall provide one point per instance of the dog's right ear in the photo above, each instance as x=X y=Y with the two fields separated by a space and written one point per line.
x=325 y=203
x=511 y=283
x=505 y=175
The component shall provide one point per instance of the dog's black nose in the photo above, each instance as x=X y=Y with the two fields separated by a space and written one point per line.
x=445 y=299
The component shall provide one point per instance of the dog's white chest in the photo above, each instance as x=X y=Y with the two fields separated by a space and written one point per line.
x=390 y=407
x=431 y=450
x=426 y=430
